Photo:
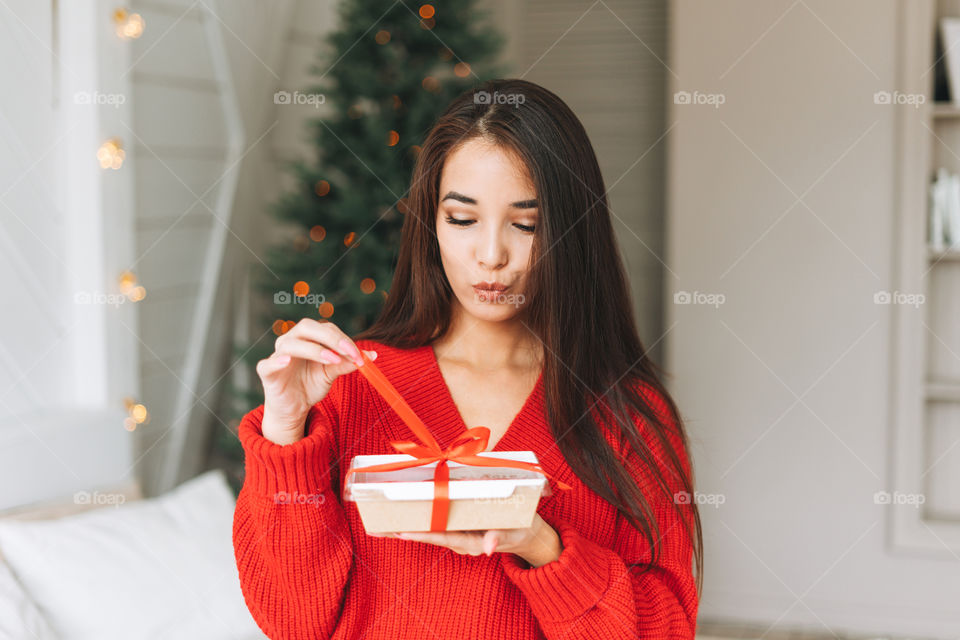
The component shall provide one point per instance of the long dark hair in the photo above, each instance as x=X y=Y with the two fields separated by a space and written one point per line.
x=577 y=300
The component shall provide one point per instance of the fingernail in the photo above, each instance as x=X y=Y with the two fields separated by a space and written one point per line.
x=352 y=352
x=371 y=354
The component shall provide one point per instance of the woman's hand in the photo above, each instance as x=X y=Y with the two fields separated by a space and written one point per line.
x=305 y=362
x=537 y=544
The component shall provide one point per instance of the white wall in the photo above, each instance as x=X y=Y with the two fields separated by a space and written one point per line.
x=31 y=214
x=66 y=361
x=786 y=385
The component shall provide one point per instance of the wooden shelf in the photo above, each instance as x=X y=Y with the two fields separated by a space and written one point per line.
x=942 y=391
x=926 y=404
x=945 y=110
x=944 y=255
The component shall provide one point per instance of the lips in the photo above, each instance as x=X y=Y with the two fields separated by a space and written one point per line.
x=489 y=286
x=489 y=291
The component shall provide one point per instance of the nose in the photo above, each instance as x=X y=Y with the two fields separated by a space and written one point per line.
x=492 y=252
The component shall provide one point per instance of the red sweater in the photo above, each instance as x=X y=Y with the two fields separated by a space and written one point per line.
x=308 y=570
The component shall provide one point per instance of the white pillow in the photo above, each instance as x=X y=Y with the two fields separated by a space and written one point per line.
x=19 y=617
x=155 y=568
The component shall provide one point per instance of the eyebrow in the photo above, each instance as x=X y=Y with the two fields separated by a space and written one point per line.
x=459 y=197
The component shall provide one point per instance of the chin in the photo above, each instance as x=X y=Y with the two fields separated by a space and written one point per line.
x=490 y=311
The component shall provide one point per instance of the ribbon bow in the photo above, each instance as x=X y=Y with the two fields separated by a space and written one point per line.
x=463 y=450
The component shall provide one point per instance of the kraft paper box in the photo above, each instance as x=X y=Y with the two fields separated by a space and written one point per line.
x=480 y=497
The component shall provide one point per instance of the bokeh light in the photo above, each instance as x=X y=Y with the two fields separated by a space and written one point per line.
x=111 y=154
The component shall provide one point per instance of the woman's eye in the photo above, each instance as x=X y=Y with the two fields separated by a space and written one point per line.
x=466 y=223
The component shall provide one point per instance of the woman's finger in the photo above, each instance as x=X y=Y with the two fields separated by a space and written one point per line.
x=308 y=350
x=271 y=365
x=331 y=335
x=454 y=540
x=490 y=541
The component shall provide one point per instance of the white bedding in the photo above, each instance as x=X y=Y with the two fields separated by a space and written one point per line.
x=156 y=568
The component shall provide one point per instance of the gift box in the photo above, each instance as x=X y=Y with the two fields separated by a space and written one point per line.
x=424 y=471
x=480 y=497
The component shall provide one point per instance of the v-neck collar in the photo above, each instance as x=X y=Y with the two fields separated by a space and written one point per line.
x=416 y=375
x=446 y=433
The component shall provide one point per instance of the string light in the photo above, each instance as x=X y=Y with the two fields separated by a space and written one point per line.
x=127 y=281
x=368 y=286
x=130 y=288
x=347 y=241
x=111 y=154
x=382 y=37
x=128 y=25
x=136 y=414
x=393 y=138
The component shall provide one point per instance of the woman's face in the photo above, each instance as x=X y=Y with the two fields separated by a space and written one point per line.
x=485 y=221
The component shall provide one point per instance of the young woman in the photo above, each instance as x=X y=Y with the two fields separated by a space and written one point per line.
x=509 y=309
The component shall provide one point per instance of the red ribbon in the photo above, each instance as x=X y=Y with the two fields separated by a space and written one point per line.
x=462 y=450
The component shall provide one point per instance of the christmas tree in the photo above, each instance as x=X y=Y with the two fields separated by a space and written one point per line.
x=390 y=71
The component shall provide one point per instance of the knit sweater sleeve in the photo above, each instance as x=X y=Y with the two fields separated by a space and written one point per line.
x=594 y=591
x=290 y=536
